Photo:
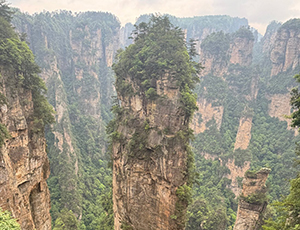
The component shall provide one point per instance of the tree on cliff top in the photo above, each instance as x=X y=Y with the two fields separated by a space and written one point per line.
x=159 y=54
x=159 y=49
x=18 y=59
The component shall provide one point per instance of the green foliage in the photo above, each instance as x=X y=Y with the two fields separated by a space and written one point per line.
x=240 y=156
x=5 y=11
x=66 y=221
x=16 y=57
x=287 y=210
x=79 y=171
x=281 y=82
x=216 y=89
x=4 y=134
x=6 y=31
x=202 y=213
x=7 y=222
x=151 y=94
x=240 y=78
x=189 y=102
x=295 y=102
x=184 y=194
x=270 y=142
x=217 y=44
x=159 y=50
x=126 y=226
x=287 y=216
x=292 y=24
x=244 y=32
x=256 y=198
x=251 y=174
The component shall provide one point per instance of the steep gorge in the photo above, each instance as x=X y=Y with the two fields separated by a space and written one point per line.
x=75 y=56
x=239 y=124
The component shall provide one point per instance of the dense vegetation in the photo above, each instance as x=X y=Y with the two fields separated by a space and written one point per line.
x=7 y=222
x=64 y=40
x=80 y=88
x=17 y=59
x=271 y=142
x=286 y=215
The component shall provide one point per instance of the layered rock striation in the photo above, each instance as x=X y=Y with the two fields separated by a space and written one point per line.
x=285 y=50
x=151 y=156
x=24 y=165
x=75 y=57
x=150 y=162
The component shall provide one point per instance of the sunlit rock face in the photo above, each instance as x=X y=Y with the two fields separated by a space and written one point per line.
x=24 y=165
x=150 y=162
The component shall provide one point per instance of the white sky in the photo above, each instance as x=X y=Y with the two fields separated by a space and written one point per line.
x=258 y=12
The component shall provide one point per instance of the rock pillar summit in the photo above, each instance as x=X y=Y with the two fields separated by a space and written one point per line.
x=253 y=201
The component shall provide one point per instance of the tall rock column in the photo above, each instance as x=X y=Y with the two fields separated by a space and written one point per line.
x=253 y=200
x=152 y=160
x=24 y=112
x=24 y=165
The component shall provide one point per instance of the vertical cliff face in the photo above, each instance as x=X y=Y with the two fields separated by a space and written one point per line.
x=24 y=112
x=75 y=56
x=219 y=50
x=146 y=178
x=152 y=160
x=226 y=58
x=241 y=49
x=285 y=52
x=253 y=201
x=24 y=166
x=206 y=112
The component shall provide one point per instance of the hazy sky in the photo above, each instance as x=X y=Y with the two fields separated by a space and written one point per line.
x=258 y=12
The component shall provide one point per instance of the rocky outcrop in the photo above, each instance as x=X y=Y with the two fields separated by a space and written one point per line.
x=286 y=49
x=280 y=107
x=269 y=38
x=243 y=135
x=241 y=51
x=24 y=166
x=253 y=201
x=150 y=160
x=219 y=50
x=74 y=56
x=236 y=172
x=205 y=113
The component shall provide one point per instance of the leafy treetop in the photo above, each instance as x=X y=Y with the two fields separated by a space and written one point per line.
x=5 y=11
x=17 y=58
x=159 y=48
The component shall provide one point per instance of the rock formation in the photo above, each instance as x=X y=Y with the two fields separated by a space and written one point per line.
x=145 y=184
x=285 y=51
x=150 y=151
x=24 y=166
x=76 y=69
x=253 y=201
